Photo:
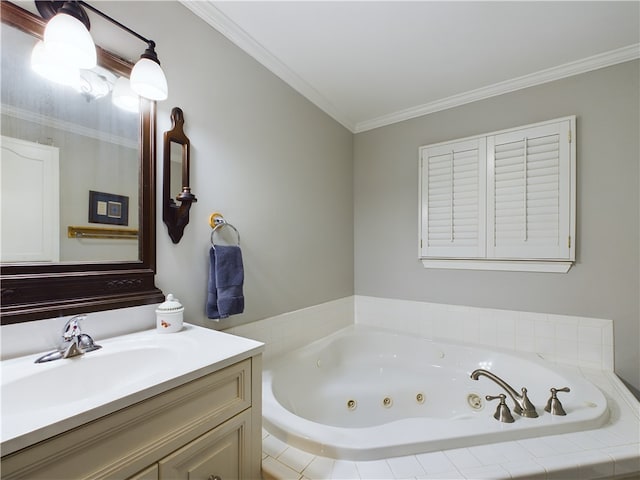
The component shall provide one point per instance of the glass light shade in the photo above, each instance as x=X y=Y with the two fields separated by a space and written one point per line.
x=124 y=97
x=148 y=80
x=68 y=41
x=52 y=70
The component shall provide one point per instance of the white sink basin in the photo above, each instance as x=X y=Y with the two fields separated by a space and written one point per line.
x=64 y=381
x=43 y=399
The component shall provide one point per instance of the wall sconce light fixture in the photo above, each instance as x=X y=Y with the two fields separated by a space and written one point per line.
x=68 y=48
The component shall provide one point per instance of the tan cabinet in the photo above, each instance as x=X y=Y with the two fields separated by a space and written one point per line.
x=208 y=428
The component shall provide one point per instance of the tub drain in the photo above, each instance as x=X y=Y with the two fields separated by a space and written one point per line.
x=387 y=402
x=352 y=404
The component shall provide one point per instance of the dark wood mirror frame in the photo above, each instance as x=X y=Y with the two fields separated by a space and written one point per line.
x=34 y=291
x=176 y=217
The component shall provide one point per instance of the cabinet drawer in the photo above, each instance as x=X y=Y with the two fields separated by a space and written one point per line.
x=123 y=443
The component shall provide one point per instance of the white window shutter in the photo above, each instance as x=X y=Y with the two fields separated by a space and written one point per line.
x=452 y=199
x=528 y=194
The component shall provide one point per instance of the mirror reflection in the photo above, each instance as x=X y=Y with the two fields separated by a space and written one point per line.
x=58 y=145
x=176 y=169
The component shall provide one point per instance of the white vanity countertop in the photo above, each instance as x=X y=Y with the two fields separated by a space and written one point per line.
x=45 y=399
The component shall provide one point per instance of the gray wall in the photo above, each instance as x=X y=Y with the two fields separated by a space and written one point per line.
x=287 y=177
x=604 y=283
x=278 y=169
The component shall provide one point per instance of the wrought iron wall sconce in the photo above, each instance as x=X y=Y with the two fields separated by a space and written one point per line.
x=176 y=150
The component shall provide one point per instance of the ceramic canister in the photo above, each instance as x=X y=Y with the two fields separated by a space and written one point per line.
x=169 y=315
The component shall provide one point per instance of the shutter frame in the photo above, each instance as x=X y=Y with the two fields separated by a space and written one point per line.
x=548 y=209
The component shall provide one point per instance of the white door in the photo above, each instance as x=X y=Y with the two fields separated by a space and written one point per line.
x=30 y=205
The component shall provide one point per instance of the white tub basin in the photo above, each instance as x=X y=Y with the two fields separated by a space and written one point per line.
x=43 y=399
x=366 y=394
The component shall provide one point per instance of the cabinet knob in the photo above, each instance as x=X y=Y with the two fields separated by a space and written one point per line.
x=214 y=477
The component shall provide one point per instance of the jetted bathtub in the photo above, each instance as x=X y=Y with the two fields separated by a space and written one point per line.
x=364 y=393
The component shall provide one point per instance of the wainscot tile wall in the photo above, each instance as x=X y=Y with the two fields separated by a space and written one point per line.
x=291 y=330
x=580 y=341
x=612 y=451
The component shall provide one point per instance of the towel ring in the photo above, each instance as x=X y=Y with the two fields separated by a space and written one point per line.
x=217 y=221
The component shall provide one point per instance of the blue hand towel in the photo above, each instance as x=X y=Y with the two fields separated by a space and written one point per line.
x=226 y=276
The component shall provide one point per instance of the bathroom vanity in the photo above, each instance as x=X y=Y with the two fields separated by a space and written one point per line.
x=196 y=412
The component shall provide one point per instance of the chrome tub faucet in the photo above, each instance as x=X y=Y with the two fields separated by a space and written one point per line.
x=523 y=405
x=74 y=342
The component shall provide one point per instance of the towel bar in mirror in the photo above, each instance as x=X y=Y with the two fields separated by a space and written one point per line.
x=176 y=169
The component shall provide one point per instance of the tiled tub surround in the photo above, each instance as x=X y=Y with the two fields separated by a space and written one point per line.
x=582 y=344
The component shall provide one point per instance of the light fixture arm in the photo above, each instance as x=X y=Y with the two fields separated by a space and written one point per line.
x=150 y=52
x=48 y=9
x=151 y=44
x=114 y=21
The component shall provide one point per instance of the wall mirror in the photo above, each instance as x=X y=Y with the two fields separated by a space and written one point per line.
x=99 y=149
x=176 y=167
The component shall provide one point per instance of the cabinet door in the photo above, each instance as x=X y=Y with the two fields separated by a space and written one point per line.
x=220 y=454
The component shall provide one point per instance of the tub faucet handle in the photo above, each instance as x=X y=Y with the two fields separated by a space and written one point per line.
x=554 y=407
x=526 y=408
x=503 y=413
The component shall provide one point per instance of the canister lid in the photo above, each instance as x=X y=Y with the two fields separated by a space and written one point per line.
x=172 y=304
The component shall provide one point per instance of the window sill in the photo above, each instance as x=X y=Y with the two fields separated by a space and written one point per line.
x=547 y=266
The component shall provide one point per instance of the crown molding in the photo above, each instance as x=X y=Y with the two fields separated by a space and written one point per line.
x=71 y=127
x=577 y=67
x=223 y=24
x=227 y=27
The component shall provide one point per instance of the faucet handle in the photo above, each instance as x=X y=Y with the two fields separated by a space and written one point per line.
x=502 y=412
x=554 y=407
x=72 y=328
x=526 y=408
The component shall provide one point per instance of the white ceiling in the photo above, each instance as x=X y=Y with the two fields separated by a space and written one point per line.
x=373 y=63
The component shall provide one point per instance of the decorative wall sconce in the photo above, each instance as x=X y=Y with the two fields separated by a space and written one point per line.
x=67 y=55
x=176 y=150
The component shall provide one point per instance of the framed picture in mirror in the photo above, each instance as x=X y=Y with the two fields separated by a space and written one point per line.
x=108 y=208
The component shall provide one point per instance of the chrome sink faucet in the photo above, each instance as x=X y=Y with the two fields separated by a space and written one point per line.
x=74 y=342
x=523 y=405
